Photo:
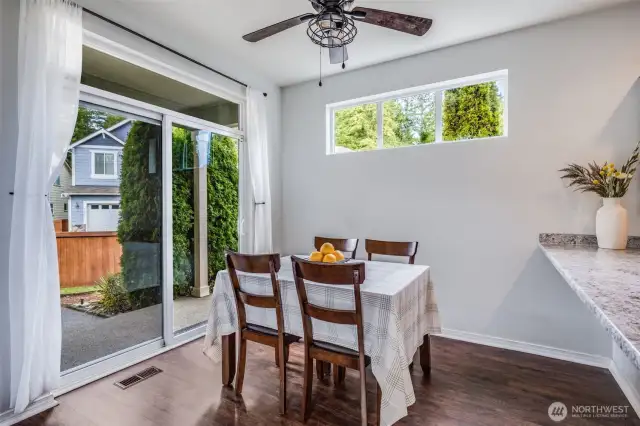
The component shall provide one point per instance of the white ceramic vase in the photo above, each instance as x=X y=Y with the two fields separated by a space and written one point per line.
x=611 y=225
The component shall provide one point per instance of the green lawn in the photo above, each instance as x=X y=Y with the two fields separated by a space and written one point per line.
x=78 y=290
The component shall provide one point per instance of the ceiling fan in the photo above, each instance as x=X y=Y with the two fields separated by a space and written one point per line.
x=333 y=26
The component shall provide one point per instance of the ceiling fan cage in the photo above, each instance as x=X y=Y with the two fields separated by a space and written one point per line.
x=332 y=29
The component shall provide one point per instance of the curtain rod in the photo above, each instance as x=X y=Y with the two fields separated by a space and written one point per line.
x=175 y=52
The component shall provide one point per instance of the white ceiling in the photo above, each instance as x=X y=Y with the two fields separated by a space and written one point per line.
x=290 y=57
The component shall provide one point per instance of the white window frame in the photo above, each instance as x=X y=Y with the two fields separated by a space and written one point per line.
x=115 y=164
x=437 y=89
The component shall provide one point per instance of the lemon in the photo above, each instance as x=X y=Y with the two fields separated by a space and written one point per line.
x=327 y=248
x=316 y=256
x=338 y=254
x=329 y=258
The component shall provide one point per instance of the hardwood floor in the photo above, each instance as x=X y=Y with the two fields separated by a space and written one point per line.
x=469 y=385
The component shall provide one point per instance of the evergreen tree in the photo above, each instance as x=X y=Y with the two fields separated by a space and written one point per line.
x=472 y=112
x=222 y=195
x=140 y=225
x=90 y=120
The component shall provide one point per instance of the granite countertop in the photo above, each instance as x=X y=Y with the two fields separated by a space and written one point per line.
x=607 y=281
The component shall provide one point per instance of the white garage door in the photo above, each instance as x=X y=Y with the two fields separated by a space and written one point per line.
x=102 y=217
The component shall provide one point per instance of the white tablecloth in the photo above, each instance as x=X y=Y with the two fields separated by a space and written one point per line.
x=399 y=308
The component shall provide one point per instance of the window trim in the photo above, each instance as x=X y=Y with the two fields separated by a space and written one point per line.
x=114 y=152
x=437 y=89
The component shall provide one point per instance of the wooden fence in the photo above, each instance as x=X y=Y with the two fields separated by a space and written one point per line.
x=83 y=257
x=61 y=225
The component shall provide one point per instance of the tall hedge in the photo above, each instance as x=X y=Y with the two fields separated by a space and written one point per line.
x=222 y=202
x=140 y=225
x=472 y=112
x=183 y=212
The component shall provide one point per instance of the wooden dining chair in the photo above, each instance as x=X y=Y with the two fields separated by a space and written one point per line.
x=341 y=274
x=278 y=339
x=348 y=246
x=391 y=248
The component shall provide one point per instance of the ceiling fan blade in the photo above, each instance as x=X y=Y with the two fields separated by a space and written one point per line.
x=276 y=28
x=338 y=55
x=396 y=21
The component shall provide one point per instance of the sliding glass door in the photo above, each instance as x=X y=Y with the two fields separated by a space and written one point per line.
x=205 y=209
x=107 y=208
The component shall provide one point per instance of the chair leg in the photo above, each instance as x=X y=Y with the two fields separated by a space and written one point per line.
x=319 y=369
x=339 y=374
x=286 y=353
x=378 y=404
x=282 y=350
x=306 y=388
x=363 y=396
x=242 y=361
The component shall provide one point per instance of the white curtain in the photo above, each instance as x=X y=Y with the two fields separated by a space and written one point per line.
x=49 y=67
x=257 y=147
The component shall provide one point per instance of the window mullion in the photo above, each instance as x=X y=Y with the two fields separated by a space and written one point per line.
x=380 y=124
x=438 y=95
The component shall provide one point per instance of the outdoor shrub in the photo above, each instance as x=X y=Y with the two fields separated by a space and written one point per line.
x=222 y=194
x=141 y=212
x=140 y=225
x=114 y=298
x=183 y=213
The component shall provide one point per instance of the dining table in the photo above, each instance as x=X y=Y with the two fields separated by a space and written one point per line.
x=399 y=312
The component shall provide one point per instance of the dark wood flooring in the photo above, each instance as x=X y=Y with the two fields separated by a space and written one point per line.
x=469 y=385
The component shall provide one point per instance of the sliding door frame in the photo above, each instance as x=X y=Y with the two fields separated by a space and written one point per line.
x=171 y=120
x=100 y=99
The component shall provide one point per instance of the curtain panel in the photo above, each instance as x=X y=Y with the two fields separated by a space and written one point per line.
x=257 y=147
x=49 y=68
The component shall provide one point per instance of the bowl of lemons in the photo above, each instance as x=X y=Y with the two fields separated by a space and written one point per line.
x=327 y=254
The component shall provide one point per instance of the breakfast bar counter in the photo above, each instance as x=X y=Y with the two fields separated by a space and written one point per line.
x=607 y=281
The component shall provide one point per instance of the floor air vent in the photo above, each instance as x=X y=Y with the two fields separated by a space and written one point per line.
x=137 y=378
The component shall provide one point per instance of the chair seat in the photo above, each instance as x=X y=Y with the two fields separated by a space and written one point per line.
x=270 y=332
x=340 y=350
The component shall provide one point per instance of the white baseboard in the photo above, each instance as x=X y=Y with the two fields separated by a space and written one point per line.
x=8 y=418
x=627 y=389
x=530 y=348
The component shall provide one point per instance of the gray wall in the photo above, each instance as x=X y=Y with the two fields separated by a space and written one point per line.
x=477 y=207
x=82 y=164
x=9 y=17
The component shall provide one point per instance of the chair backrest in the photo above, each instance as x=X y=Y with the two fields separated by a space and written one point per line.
x=256 y=264
x=352 y=273
x=392 y=248
x=347 y=246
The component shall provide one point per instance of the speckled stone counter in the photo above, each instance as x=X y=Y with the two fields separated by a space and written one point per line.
x=607 y=281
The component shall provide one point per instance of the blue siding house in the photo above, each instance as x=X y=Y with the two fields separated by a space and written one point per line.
x=94 y=194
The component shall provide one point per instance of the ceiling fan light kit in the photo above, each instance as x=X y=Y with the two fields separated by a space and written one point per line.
x=333 y=26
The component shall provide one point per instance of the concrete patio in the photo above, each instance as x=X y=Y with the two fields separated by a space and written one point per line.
x=87 y=337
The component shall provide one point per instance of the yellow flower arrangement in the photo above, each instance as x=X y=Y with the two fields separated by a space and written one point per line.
x=606 y=181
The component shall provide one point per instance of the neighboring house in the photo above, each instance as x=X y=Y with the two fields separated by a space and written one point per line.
x=57 y=198
x=94 y=194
